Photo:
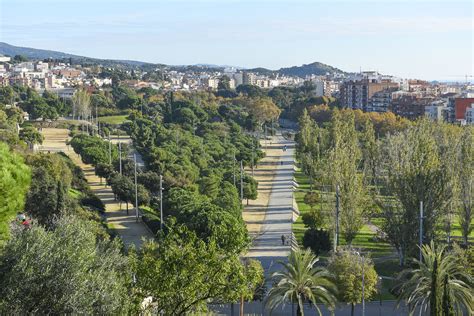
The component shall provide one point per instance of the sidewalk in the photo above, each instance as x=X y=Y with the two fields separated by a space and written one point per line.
x=125 y=225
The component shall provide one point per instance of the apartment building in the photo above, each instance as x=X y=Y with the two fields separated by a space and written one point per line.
x=357 y=91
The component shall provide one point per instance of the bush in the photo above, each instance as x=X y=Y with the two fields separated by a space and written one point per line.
x=91 y=200
x=317 y=240
x=152 y=221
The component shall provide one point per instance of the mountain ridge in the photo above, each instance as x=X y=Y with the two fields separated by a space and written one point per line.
x=315 y=68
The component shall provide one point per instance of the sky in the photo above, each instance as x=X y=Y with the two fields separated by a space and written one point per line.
x=426 y=39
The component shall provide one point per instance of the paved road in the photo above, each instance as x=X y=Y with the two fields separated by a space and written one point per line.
x=267 y=247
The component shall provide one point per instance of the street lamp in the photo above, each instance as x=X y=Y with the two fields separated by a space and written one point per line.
x=362 y=258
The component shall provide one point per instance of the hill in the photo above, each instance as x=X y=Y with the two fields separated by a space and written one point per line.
x=34 y=53
x=315 y=68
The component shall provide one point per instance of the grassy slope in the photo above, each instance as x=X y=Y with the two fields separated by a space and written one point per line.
x=115 y=120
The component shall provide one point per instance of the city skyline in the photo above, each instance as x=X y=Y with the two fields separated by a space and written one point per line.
x=424 y=39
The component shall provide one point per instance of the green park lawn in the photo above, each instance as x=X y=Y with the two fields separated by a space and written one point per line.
x=114 y=120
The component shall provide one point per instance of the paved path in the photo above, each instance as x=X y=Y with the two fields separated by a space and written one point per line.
x=131 y=232
x=268 y=247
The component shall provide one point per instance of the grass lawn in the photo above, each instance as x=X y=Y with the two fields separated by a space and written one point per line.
x=364 y=239
x=114 y=120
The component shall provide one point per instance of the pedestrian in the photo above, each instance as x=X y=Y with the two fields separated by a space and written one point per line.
x=283 y=239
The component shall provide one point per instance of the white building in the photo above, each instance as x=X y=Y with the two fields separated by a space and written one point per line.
x=470 y=115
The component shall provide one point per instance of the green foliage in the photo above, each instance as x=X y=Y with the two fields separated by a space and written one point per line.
x=181 y=263
x=317 y=240
x=65 y=270
x=93 y=149
x=301 y=281
x=15 y=178
x=31 y=135
x=347 y=267
x=438 y=281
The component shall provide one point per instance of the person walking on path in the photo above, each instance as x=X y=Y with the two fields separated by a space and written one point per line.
x=283 y=238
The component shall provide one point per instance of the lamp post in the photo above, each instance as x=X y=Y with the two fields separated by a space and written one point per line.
x=136 y=188
x=421 y=230
x=362 y=260
x=241 y=180
x=161 y=202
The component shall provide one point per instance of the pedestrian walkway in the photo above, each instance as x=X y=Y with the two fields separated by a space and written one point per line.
x=273 y=241
x=130 y=231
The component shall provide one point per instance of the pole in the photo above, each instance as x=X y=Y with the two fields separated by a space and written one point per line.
x=336 y=237
x=265 y=126
x=241 y=181
x=233 y=166
x=110 y=151
x=363 y=286
x=120 y=157
x=253 y=160
x=136 y=188
x=161 y=202
x=421 y=228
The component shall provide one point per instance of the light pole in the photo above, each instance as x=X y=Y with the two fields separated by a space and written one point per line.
x=120 y=155
x=136 y=188
x=110 y=151
x=161 y=202
x=233 y=166
x=362 y=260
x=421 y=230
x=336 y=233
x=241 y=180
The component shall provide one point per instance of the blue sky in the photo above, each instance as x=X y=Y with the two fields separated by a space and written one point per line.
x=425 y=39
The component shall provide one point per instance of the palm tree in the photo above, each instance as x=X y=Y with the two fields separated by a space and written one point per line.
x=300 y=281
x=439 y=281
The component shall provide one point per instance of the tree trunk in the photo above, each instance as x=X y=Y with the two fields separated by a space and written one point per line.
x=242 y=305
x=352 y=309
x=127 y=208
x=247 y=201
x=299 y=311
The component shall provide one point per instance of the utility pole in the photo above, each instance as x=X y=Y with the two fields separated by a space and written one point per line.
x=253 y=159
x=136 y=188
x=336 y=237
x=421 y=229
x=233 y=166
x=265 y=126
x=363 y=286
x=241 y=180
x=120 y=156
x=110 y=151
x=161 y=202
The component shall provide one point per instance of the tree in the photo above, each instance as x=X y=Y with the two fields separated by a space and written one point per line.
x=46 y=198
x=15 y=178
x=31 y=136
x=104 y=170
x=344 y=158
x=300 y=282
x=81 y=101
x=466 y=179
x=347 y=266
x=317 y=240
x=122 y=187
x=64 y=270
x=250 y=188
x=438 y=282
x=224 y=83
x=182 y=272
x=415 y=174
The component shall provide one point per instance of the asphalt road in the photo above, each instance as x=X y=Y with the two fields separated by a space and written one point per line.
x=267 y=246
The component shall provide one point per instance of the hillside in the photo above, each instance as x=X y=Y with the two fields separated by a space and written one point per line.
x=315 y=68
x=34 y=53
